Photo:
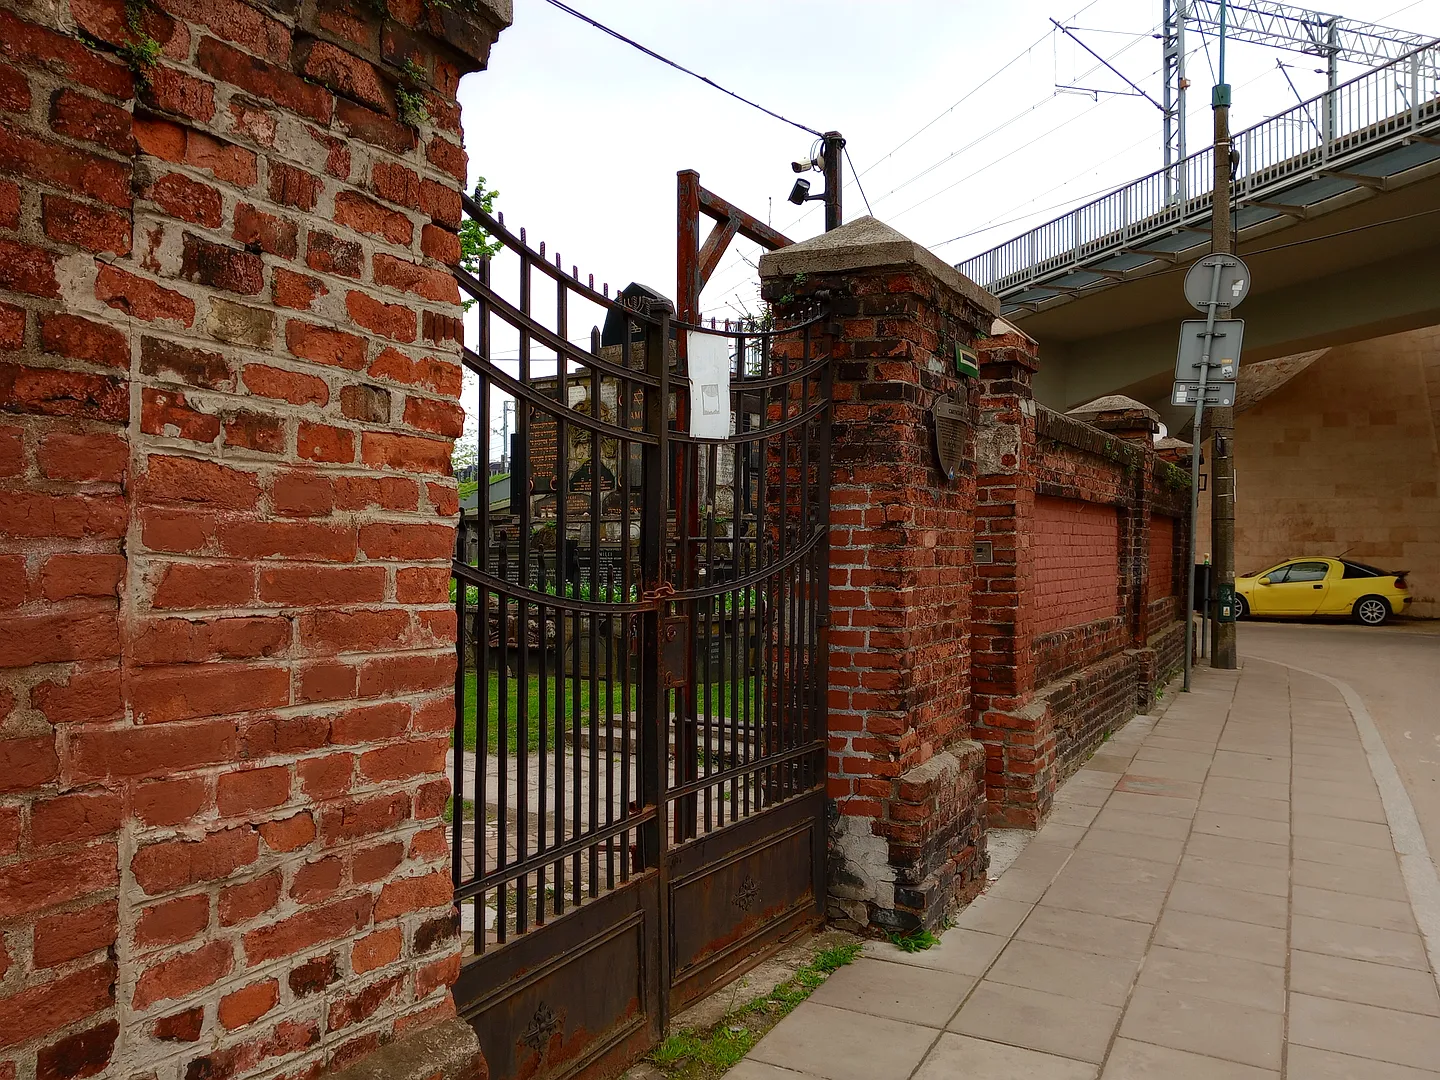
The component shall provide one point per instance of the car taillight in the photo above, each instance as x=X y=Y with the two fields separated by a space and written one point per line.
x=1400 y=581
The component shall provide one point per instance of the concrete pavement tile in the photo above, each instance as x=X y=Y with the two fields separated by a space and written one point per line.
x=1120 y=869
x=1358 y=942
x=993 y=915
x=750 y=1069
x=1226 y=978
x=1026 y=886
x=1250 y=767
x=1335 y=774
x=1036 y=1020
x=966 y=952
x=1243 y=877
x=1371 y=984
x=960 y=1055
x=1245 y=806
x=924 y=996
x=1307 y=1063
x=1175 y=742
x=1092 y=893
x=1159 y=805
x=1344 y=831
x=837 y=1044
x=1356 y=856
x=1155 y=848
x=1085 y=932
x=1347 y=907
x=1130 y=1060
x=1385 y=884
x=1256 y=789
x=1137 y=821
x=1058 y=835
x=1365 y=1031
x=1205 y=1026
x=1354 y=809
x=1357 y=787
x=1237 y=827
x=1040 y=857
x=1074 y=814
x=1110 y=763
x=1158 y=785
x=1227 y=937
x=1172 y=766
x=1228 y=903
x=1082 y=796
x=1088 y=976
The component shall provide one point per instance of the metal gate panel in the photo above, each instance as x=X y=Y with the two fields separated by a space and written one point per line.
x=639 y=744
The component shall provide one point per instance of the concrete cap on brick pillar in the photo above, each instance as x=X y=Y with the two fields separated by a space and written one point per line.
x=1120 y=415
x=865 y=243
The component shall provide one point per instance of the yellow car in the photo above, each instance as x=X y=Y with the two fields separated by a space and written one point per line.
x=1323 y=586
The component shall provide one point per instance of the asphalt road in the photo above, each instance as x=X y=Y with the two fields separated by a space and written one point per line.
x=1396 y=671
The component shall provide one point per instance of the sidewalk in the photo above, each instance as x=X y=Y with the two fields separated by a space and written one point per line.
x=1216 y=895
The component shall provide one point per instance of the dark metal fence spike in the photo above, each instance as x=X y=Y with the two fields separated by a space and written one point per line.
x=522 y=235
x=542 y=249
x=592 y=281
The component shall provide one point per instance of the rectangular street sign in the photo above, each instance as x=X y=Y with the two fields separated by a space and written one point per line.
x=1224 y=353
x=1217 y=394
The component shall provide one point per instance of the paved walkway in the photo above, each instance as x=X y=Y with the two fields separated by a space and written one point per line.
x=1216 y=895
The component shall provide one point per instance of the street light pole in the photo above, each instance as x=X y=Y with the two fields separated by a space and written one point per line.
x=1222 y=421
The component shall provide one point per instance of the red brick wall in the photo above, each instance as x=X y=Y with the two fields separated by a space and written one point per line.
x=1162 y=558
x=1077 y=562
x=229 y=377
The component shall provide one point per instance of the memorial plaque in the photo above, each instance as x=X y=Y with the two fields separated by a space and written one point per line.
x=948 y=417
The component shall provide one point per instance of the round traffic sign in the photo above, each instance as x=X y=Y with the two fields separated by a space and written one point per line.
x=1234 y=281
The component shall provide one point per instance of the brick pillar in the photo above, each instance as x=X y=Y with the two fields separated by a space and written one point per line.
x=229 y=368
x=1018 y=732
x=906 y=780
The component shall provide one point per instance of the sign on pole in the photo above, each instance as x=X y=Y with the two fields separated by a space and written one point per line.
x=1224 y=350
x=1234 y=283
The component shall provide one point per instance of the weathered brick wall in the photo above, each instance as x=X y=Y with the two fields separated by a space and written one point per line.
x=906 y=781
x=1071 y=633
x=1161 y=585
x=1077 y=562
x=229 y=372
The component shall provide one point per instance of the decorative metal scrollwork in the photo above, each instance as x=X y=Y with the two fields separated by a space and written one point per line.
x=747 y=894
x=543 y=1026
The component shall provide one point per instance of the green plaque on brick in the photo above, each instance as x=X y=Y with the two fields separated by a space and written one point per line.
x=967 y=362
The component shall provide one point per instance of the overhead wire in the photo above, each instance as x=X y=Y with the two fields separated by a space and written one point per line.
x=560 y=5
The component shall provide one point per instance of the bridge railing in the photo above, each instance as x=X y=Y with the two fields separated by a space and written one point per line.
x=1383 y=105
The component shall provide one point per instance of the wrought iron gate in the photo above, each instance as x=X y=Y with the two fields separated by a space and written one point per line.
x=639 y=744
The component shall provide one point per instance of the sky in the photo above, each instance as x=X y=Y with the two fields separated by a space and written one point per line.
x=950 y=109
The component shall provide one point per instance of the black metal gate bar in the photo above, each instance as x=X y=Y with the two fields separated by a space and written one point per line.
x=641 y=579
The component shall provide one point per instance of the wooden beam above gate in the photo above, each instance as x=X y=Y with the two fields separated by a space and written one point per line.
x=695 y=263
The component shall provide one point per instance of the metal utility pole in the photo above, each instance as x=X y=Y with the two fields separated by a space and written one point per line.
x=1173 y=37
x=1222 y=420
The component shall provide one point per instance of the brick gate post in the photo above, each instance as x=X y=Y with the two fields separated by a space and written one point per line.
x=906 y=781
x=229 y=373
x=1018 y=733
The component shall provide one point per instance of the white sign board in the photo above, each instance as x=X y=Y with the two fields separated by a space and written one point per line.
x=708 y=356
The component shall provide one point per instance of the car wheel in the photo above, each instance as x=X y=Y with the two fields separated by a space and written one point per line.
x=1242 y=609
x=1371 y=610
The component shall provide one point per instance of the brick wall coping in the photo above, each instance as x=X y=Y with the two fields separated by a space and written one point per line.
x=867 y=243
x=1050 y=424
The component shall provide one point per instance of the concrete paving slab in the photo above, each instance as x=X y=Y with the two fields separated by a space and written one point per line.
x=960 y=1055
x=1307 y=1063
x=917 y=995
x=837 y=1044
x=1131 y=1060
x=1227 y=937
x=1050 y=1023
x=1387 y=987
x=1242 y=827
x=965 y=952
x=1357 y=910
x=1358 y=942
x=1154 y=848
x=1214 y=975
x=1088 y=976
x=1201 y=1025
x=1086 y=933
x=1384 y=883
x=1365 y=1031
x=1229 y=903
x=1343 y=830
x=993 y=915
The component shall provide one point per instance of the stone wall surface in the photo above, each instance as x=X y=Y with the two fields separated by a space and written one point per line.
x=229 y=376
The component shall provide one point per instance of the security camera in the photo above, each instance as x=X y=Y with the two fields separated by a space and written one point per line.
x=800 y=166
x=800 y=192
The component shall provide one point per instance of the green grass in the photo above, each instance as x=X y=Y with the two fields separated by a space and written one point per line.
x=718 y=695
x=706 y=1055
x=915 y=941
x=467 y=812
